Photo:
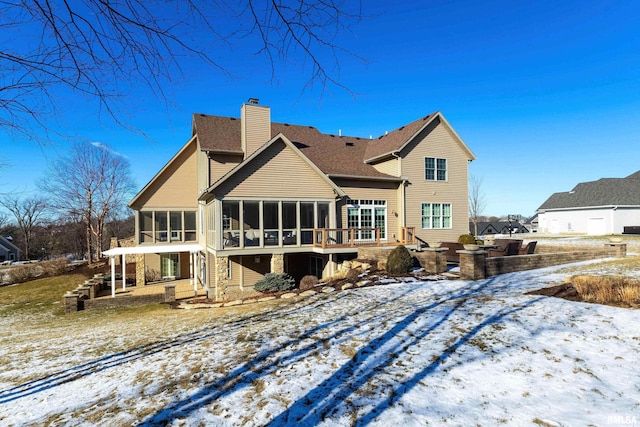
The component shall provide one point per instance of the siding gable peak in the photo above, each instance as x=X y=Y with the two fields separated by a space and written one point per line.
x=258 y=154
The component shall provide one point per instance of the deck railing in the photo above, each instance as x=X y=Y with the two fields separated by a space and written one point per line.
x=354 y=237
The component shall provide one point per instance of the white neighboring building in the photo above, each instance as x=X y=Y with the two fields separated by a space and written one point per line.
x=599 y=207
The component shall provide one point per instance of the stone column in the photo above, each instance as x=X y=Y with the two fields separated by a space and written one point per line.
x=472 y=264
x=433 y=260
x=141 y=279
x=222 y=272
x=621 y=249
x=277 y=263
x=70 y=302
x=169 y=293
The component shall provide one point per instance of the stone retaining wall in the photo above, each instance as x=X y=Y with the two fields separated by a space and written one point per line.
x=122 y=301
x=84 y=297
x=501 y=265
x=475 y=265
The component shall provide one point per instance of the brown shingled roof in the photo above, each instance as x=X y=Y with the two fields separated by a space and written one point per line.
x=216 y=133
x=332 y=154
x=395 y=140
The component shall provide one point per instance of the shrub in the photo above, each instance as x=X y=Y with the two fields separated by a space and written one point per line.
x=21 y=273
x=352 y=275
x=274 y=282
x=466 y=239
x=607 y=289
x=400 y=261
x=54 y=267
x=308 y=282
x=151 y=275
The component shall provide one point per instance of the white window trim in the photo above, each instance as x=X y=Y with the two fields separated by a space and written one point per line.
x=435 y=170
x=370 y=204
x=441 y=216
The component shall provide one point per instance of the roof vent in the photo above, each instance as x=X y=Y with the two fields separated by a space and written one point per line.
x=253 y=101
x=349 y=144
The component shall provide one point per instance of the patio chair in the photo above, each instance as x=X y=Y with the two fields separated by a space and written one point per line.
x=511 y=248
x=230 y=241
x=529 y=249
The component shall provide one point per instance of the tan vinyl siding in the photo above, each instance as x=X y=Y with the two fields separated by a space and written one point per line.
x=152 y=262
x=373 y=190
x=236 y=273
x=439 y=142
x=390 y=167
x=203 y=171
x=176 y=186
x=220 y=164
x=256 y=127
x=252 y=271
x=277 y=172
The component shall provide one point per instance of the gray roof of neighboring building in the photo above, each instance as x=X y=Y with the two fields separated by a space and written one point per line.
x=7 y=243
x=603 y=192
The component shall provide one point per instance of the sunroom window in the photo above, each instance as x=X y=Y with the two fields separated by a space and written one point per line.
x=167 y=226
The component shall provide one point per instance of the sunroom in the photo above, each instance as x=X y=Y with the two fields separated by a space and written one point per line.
x=236 y=224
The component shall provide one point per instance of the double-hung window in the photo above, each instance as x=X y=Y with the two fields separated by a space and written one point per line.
x=435 y=169
x=436 y=215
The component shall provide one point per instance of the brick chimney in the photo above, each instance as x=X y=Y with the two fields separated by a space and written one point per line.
x=256 y=126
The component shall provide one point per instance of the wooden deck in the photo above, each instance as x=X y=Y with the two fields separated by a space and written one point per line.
x=339 y=238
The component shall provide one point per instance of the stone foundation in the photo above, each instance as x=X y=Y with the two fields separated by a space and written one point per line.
x=277 y=263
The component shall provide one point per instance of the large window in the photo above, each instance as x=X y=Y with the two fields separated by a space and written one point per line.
x=367 y=215
x=435 y=169
x=436 y=215
x=167 y=226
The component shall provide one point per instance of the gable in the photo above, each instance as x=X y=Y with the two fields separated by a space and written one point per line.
x=175 y=185
x=8 y=245
x=435 y=140
x=277 y=171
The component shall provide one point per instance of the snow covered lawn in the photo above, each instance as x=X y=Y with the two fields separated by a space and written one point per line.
x=407 y=353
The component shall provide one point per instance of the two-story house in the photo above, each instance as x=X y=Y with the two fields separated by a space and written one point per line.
x=247 y=196
x=8 y=251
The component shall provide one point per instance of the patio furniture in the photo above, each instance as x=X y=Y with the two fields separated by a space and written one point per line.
x=510 y=249
x=529 y=249
x=452 y=248
x=230 y=241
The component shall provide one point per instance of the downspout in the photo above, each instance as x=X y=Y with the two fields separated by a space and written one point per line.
x=403 y=217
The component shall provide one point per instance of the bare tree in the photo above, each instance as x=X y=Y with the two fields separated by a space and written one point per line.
x=28 y=213
x=4 y=220
x=101 y=49
x=476 y=201
x=89 y=183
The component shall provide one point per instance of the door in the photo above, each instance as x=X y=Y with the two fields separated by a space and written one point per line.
x=170 y=266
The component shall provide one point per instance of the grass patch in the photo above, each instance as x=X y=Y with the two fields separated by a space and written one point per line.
x=607 y=289
x=621 y=266
x=40 y=295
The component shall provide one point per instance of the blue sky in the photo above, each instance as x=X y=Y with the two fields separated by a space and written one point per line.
x=546 y=94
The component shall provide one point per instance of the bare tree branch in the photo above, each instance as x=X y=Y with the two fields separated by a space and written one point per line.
x=28 y=213
x=89 y=183
x=477 y=202
x=101 y=49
